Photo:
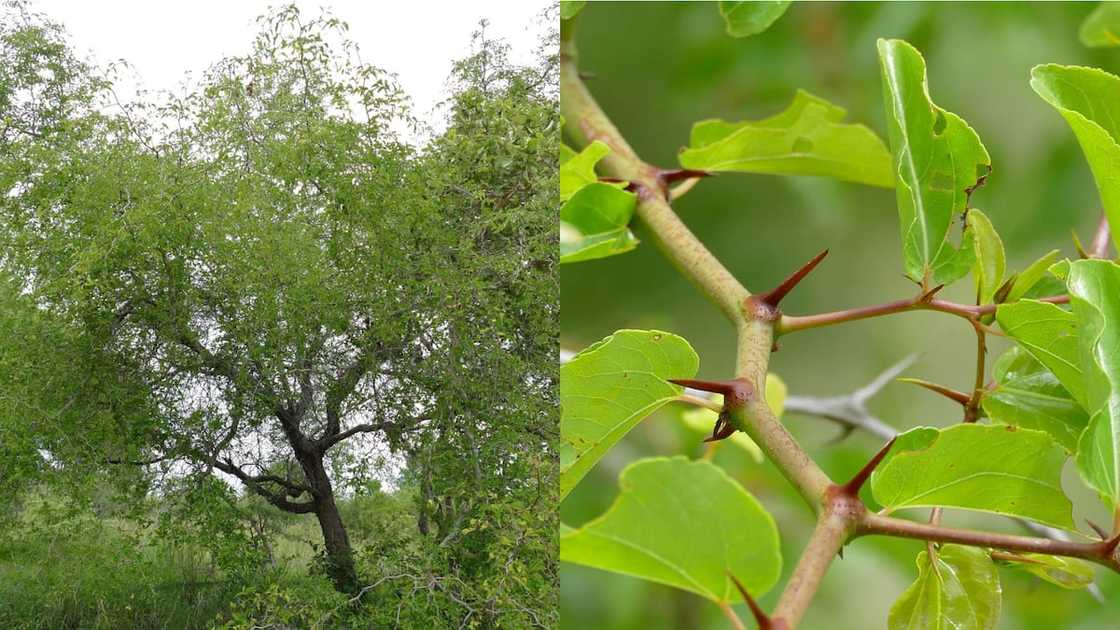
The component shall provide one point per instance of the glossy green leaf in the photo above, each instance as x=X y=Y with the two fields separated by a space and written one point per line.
x=682 y=523
x=702 y=420
x=958 y=590
x=1094 y=290
x=938 y=159
x=1102 y=27
x=1029 y=396
x=1069 y=573
x=752 y=17
x=991 y=262
x=1089 y=100
x=1049 y=334
x=1029 y=277
x=578 y=169
x=569 y=8
x=610 y=387
x=808 y=138
x=593 y=223
x=991 y=468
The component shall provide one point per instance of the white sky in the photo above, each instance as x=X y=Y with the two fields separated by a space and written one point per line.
x=417 y=40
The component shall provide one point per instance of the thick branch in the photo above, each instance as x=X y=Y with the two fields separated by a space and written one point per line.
x=253 y=482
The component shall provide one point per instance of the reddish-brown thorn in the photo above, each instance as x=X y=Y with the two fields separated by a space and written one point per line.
x=852 y=487
x=951 y=394
x=764 y=620
x=1110 y=545
x=735 y=392
x=676 y=175
x=775 y=295
x=1097 y=528
x=928 y=295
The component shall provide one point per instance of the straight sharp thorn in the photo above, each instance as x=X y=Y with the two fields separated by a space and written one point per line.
x=1110 y=545
x=676 y=175
x=774 y=297
x=1078 y=246
x=951 y=394
x=926 y=296
x=853 y=486
x=764 y=621
x=1097 y=528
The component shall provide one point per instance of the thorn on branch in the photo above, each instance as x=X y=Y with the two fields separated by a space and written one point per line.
x=1108 y=547
x=1098 y=529
x=764 y=306
x=672 y=176
x=735 y=394
x=927 y=296
x=764 y=620
x=951 y=394
x=853 y=486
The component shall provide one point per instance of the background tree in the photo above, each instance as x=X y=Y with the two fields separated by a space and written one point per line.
x=260 y=279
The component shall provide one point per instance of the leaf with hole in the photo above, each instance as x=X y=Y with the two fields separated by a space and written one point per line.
x=744 y=19
x=683 y=523
x=957 y=589
x=808 y=138
x=1028 y=395
x=990 y=468
x=1089 y=100
x=610 y=387
x=1094 y=290
x=937 y=159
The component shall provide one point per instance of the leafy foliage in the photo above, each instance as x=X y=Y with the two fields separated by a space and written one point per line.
x=663 y=528
x=957 y=587
x=991 y=468
x=938 y=161
x=751 y=17
x=808 y=138
x=609 y=388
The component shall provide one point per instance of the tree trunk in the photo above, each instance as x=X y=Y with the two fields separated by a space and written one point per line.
x=340 y=557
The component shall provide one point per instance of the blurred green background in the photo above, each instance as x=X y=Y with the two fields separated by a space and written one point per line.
x=658 y=67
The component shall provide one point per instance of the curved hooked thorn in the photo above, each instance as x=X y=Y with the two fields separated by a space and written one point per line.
x=853 y=486
x=764 y=620
x=1110 y=545
x=775 y=295
x=723 y=429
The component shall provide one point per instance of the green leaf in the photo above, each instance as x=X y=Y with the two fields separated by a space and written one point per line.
x=702 y=420
x=1089 y=100
x=990 y=468
x=752 y=17
x=1094 y=290
x=958 y=590
x=1069 y=573
x=1049 y=334
x=808 y=138
x=1102 y=28
x=684 y=524
x=578 y=169
x=938 y=160
x=593 y=223
x=609 y=387
x=1029 y=277
x=991 y=262
x=1029 y=396
x=569 y=8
